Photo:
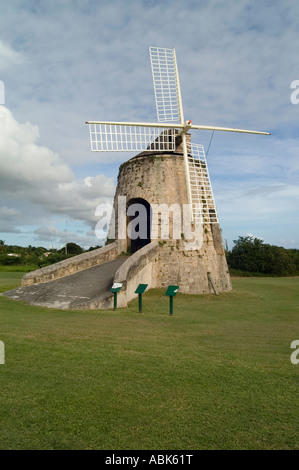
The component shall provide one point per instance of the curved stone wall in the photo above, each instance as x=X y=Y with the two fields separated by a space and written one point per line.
x=71 y=265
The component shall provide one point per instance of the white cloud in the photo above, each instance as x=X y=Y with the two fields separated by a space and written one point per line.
x=87 y=181
x=8 y=217
x=50 y=234
x=254 y=236
x=23 y=162
x=8 y=56
x=37 y=180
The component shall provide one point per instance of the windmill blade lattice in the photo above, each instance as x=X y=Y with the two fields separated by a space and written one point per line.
x=126 y=138
x=166 y=86
x=203 y=203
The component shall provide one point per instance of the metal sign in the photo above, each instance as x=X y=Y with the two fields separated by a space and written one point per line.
x=116 y=287
x=140 y=290
x=172 y=290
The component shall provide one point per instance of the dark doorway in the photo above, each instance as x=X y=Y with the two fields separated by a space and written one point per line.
x=138 y=223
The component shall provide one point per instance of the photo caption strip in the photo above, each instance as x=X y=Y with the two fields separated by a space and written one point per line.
x=148 y=458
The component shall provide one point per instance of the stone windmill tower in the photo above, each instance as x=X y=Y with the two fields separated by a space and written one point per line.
x=164 y=209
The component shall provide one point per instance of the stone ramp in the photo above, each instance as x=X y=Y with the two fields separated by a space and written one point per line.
x=70 y=291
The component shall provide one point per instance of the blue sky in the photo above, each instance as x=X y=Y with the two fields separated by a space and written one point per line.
x=64 y=62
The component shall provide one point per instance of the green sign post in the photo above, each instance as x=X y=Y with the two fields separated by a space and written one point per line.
x=140 y=290
x=171 y=292
x=115 y=289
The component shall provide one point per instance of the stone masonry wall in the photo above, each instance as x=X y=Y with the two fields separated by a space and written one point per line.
x=160 y=179
x=71 y=265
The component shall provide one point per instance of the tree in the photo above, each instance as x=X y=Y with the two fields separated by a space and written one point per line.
x=246 y=254
x=72 y=249
x=9 y=260
x=252 y=255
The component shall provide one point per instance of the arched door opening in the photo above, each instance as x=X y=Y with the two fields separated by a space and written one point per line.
x=138 y=223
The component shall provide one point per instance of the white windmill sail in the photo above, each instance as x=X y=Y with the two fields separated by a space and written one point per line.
x=166 y=85
x=128 y=137
x=203 y=203
x=139 y=136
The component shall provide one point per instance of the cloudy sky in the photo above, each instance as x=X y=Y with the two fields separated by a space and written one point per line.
x=64 y=62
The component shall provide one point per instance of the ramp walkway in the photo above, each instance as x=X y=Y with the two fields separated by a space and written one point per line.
x=71 y=291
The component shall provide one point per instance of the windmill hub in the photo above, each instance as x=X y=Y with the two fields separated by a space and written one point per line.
x=187 y=127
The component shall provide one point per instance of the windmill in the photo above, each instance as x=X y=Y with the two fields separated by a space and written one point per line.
x=164 y=134
x=168 y=172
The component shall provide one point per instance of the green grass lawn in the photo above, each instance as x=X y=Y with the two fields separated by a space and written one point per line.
x=20 y=268
x=215 y=375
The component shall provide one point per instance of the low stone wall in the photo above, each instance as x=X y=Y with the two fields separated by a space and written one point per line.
x=140 y=268
x=72 y=265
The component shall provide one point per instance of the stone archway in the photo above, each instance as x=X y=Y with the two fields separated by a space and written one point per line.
x=138 y=223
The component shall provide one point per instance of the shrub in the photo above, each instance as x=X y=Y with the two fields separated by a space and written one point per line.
x=252 y=255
